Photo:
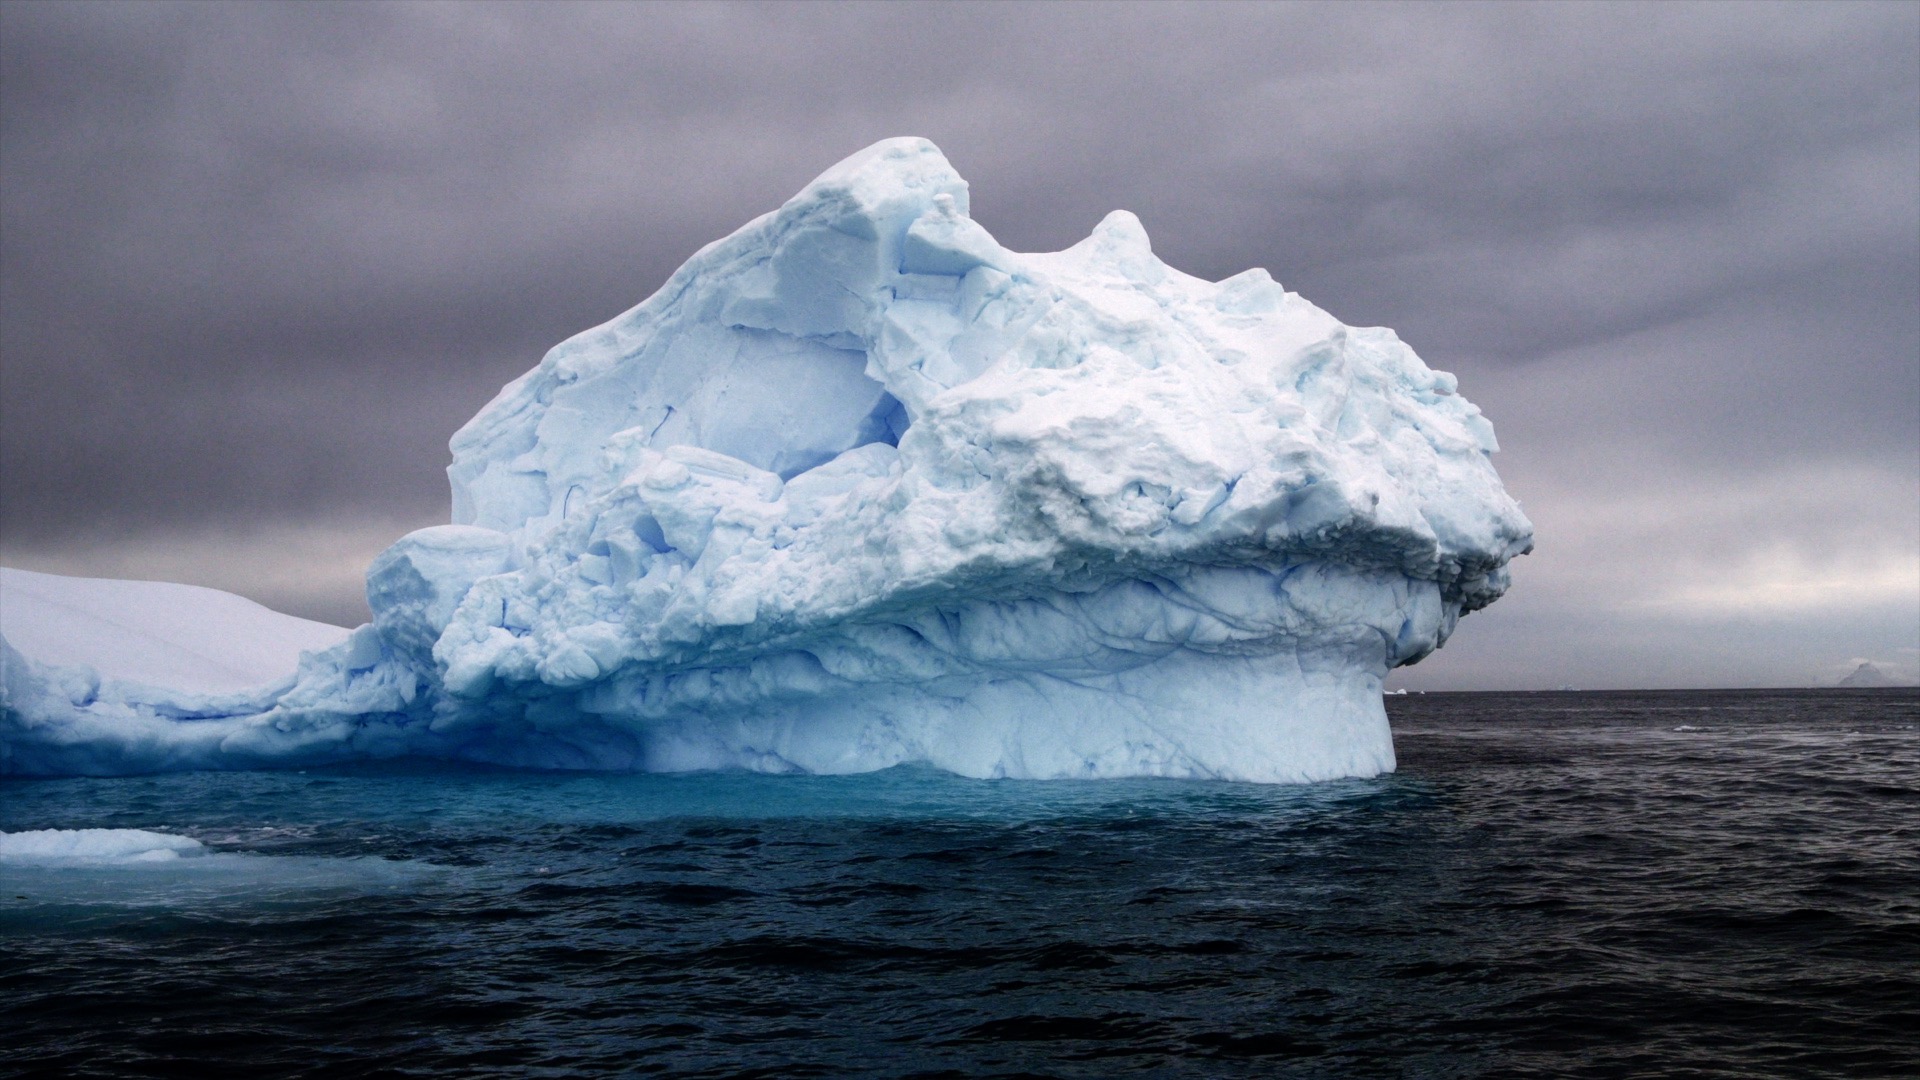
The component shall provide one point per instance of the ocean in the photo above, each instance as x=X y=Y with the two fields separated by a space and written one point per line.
x=1600 y=884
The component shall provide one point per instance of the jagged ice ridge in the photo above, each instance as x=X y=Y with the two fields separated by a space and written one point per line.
x=860 y=487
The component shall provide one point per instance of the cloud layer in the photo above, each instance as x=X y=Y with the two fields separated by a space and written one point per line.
x=257 y=262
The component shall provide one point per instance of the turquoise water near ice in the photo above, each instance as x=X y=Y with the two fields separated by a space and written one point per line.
x=1601 y=884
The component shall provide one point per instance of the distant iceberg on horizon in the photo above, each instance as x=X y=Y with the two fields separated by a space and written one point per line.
x=858 y=487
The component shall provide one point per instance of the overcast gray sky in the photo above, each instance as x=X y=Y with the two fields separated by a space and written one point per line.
x=257 y=262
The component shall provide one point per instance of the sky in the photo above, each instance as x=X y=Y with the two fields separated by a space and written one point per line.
x=259 y=261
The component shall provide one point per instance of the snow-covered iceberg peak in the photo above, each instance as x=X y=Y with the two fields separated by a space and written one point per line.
x=859 y=487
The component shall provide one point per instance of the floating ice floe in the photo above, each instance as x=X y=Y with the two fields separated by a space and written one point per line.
x=57 y=876
x=95 y=847
x=860 y=487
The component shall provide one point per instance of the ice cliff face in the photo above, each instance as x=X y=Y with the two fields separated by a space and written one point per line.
x=858 y=487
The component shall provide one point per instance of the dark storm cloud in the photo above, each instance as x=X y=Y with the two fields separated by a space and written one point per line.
x=258 y=261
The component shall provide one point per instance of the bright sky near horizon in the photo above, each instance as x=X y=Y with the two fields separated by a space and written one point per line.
x=257 y=262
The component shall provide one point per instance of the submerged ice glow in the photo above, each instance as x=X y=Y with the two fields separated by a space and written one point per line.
x=859 y=487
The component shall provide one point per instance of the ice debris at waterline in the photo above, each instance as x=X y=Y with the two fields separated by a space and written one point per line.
x=859 y=487
x=57 y=873
x=95 y=847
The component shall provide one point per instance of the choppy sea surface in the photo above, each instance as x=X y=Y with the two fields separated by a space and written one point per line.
x=1698 y=884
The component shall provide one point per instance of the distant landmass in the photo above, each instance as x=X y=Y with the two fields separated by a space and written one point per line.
x=1868 y=675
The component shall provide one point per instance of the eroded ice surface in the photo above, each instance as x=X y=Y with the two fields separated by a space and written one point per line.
x=858 y=487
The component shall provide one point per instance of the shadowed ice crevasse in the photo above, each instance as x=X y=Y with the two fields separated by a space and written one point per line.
x=859 y=487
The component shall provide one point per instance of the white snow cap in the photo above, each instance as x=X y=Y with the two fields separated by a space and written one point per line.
x=858 y=487
x=183 y=637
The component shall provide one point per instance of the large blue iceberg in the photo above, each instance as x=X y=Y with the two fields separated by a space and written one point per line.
x=860 y=487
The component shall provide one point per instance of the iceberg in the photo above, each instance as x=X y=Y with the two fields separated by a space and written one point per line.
x=859 y=487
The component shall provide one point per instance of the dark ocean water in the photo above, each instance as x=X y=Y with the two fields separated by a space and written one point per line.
x=1577 y=884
